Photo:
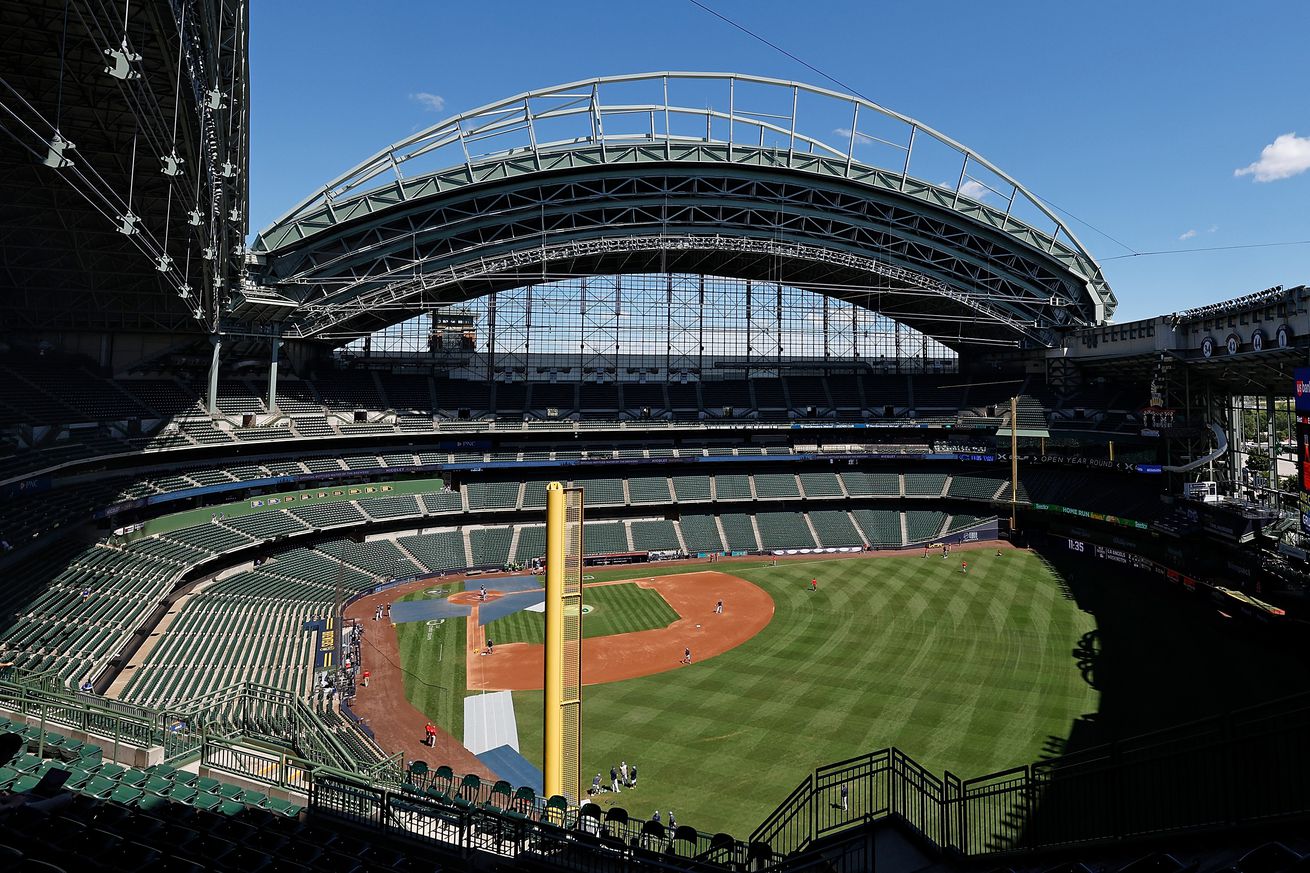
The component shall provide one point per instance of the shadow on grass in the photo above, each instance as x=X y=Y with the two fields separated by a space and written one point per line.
x=1160 y=657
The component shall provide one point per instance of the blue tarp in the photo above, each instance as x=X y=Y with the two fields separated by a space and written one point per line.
x=425 y=610
x=513 y=768
x=508 y=605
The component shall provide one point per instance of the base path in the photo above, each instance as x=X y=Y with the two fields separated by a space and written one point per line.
x=747 y=609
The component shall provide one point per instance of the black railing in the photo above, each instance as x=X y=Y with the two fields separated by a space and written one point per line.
x=1246 y=767
x=563 y=839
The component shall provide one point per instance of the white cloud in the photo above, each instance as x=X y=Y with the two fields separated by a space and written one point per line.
x=1213 y=228
x=1186 y=235
x=846 y=133
x=430 y=102
x=974 y=190
x=1286 y=156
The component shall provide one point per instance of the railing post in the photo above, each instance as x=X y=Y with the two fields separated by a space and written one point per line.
x=40 y=745
x=893 y=782
x=813 y=805
x=962 y=837
x=1030 y=806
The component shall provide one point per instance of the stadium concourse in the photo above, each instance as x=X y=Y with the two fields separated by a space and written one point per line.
x=870 y=475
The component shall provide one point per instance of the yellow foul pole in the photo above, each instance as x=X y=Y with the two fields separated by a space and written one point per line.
x=554 y=679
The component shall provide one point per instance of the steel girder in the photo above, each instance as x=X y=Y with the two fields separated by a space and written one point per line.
x=654 y=155
x=946 y=270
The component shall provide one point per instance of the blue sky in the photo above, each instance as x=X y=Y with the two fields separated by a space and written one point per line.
x=1133 y=116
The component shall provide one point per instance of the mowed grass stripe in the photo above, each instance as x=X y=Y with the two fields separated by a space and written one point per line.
x=616 y=609
x=965 y=672
x=519 y=627
x=432 y=658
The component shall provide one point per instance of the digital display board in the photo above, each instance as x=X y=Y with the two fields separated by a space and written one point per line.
x=1302 y=376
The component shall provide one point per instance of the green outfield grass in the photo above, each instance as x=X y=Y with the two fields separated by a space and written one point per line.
x=616 y=609
x=968 y=673
x=432 y=658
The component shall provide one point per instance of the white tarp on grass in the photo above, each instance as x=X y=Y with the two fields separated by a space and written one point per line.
x=489 y=722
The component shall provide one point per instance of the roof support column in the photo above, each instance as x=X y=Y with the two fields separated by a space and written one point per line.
x=217 y=342
x=272 y=370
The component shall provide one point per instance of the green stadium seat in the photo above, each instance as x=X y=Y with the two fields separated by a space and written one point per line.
x=133 y=778
x=24 y=783
x=183 y=794
x=98 y=786
x=525 y=798
x=923 y=526
x=26 y=764
x=738 y=531
x=125 y=794
x=184 y=777
x=784 y=530
x=501 y=791
x=254 y=798
x=157 y=785
x=654 y=536
x=700 y=533
x=148 y=802
x=281 y=807
x=835 y=529
x=207 y=802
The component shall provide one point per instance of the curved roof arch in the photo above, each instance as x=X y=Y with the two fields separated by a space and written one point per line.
x=728 y=173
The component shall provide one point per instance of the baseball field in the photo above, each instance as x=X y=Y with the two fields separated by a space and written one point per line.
x=964 y=672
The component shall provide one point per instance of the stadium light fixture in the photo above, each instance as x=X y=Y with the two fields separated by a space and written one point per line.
x=56 y=157
x=172 y=164
x=127 y=224
x=121 y=61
